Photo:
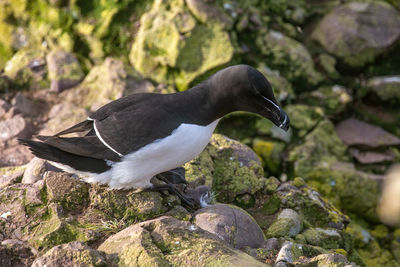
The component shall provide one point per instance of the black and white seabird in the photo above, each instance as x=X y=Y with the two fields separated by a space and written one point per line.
x=139 y=136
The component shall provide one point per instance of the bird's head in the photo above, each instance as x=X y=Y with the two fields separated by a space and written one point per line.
x=252 y=92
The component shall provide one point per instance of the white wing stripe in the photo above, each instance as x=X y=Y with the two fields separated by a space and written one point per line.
x=104 y=142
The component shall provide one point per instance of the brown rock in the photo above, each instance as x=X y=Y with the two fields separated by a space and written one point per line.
x=72 y=254
x=358 y=31
x=62 y=188
x=15 y=155
x=34 y=171
x=231 y=224
x=4 y=107
x=10 y=175
x=355 y=132
x=25 y=105
x=16 y=253
x=64 y=70
x=16 y=126
x=206 y=11
x=370 y=157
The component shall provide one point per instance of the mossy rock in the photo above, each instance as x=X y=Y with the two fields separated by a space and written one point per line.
x=166 y=241
x=326 y=238
x=357 y=32
x=67 y=191
x=321 y=148
x=282 y=88
x=271 y=154
x=289 y=56
x=303 y=117
x=160 y=53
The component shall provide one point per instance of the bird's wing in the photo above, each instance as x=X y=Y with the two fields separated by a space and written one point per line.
x=134 y=127
x=87 y=146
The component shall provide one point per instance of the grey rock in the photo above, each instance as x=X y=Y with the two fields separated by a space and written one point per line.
x=4 y=107
x=285 y=254
x=271 y=244
x=17 y=126
x=356 y=132
x=359 y=31
x=231 y=224
x=72 y=254
x=371 y=157
x=34 y=171
x=288 y=223
x=16 y=253
x=387 y=88
x=64 y=70
x=25 y=105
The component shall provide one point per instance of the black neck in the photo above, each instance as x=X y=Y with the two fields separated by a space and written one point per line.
x=203 y=104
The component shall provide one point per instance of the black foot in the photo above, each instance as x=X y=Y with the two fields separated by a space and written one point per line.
x=174 y=176
x=186 y=201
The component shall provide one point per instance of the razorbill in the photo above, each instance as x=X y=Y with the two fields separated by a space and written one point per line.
x=139 y=136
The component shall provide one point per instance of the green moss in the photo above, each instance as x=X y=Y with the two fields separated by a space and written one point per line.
x=271 y=154
x=323 y=237
x=298 y=182
x=303 y=117
x=321 y=148
x=271 y=205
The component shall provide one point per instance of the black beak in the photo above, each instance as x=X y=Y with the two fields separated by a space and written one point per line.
x=285 y=122
x=273 y=112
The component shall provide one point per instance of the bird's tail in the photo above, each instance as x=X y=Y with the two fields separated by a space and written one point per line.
x=44 y=151
x=76 y=162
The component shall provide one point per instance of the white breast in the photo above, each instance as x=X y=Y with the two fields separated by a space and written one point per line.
x=136 y=169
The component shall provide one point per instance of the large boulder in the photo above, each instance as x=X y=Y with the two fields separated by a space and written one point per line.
x=232 y=224
x=166 y=241
x=289 y=56
x=357 y=32
x=171 y=44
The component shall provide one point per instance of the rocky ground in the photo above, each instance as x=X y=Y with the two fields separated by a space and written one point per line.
x=309 y=197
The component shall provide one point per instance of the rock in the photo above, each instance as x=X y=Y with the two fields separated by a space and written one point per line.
x=326 y=238
x=288 y=223
x=389 y=204
x=285 y=254
x=332 y=259
x=16 y=127
x=71 y=254
x=303 y=117
x=387 y=88
x=167 y=241
x=4 y=107
x=289 y=56
x=166 y=39
x=25 y=105
x=370 y=157
x=13 y=212
x=53 y=230
x=231 y=224
x=357 y=32
x=27 y=66
x=346 y=187
x=104 y=83
x=328 y=63
x=34 y=171
x=282 y=88
x=270 y=152
x=62 y=116
x=354 y=132
x=16 y=253
x=64 y=70
x=15 y=155
x=237 y=169
x=10 y=175
x=205 y=12
x=333 y=99
x=321 y=147
x=65 y=190
x=125 y=205
x=271 y=244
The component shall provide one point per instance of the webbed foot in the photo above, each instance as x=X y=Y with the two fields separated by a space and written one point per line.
x=174 y=176
x=186 y=201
